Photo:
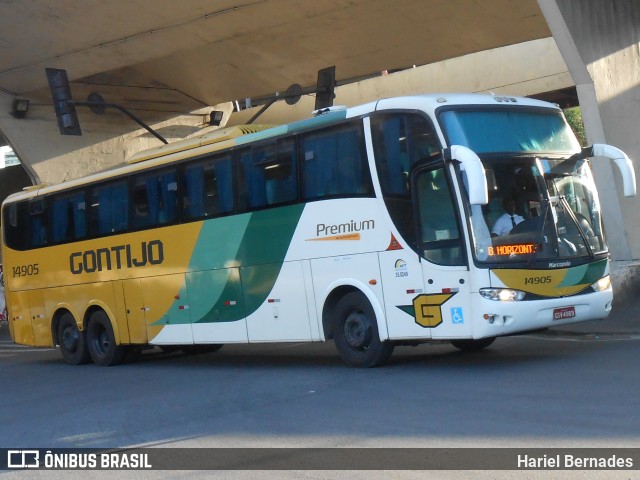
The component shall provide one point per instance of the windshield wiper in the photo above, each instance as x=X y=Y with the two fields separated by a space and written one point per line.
x=581 y=231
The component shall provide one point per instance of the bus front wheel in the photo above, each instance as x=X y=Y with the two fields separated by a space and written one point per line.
x=102 y=342
x=73 y=343
x=356 y=332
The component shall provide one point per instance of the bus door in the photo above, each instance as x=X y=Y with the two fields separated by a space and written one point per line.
x=443 y=308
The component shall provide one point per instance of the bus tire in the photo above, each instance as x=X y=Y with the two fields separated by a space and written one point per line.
x=473 y=345
x=356 y=335
x=102 y=341
x=73 y=342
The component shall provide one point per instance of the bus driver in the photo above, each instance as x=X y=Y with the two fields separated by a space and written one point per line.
x=508 y=220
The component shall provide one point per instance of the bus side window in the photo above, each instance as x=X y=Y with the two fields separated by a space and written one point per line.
x=255 y=174
x=68 y=217
x=39 y=227
x=334 y=163
x=155 y=199
x=109 y=208
x=208 y=188
x=280 y=175
x=268 y=175
x=399 y=141
x=391 y=155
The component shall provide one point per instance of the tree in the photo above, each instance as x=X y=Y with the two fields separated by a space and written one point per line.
x=574 y=118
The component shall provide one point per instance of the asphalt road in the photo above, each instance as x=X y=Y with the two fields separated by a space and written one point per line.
x=561 y=390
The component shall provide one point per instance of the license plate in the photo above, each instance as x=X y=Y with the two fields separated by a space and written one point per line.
x=564 y=312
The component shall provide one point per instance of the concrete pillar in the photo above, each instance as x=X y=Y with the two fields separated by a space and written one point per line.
x=599 y=42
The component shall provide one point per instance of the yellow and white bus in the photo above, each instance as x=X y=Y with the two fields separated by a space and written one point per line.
x=371 y=226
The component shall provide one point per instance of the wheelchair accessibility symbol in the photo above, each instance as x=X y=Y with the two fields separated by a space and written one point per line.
x=456 y=316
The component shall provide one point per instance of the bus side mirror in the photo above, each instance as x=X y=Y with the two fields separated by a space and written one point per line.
x=476 y=176
x=623 y=162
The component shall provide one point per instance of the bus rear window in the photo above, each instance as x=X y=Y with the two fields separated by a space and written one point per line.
x=15 y=225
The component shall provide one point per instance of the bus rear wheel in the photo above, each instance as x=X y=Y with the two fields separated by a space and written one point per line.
x=73 y=343
x=356 y=333
x=472 y=345
x=102 y=342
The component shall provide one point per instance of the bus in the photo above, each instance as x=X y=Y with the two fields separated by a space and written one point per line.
x=370 y=226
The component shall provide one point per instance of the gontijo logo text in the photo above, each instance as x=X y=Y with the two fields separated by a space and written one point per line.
x=118 y=257
x=343 y=231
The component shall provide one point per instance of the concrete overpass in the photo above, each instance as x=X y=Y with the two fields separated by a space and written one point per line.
x=172 y=63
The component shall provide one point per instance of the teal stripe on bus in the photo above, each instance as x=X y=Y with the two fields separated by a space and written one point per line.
x=252 y=246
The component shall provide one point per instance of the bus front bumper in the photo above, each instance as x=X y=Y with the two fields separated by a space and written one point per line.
x=496 y=318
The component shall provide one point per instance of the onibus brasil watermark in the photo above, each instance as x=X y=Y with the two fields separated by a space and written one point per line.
x=34 y=458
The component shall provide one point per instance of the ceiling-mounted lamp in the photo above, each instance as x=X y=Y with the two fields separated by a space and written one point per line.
x=215 y=119
x=20 y=108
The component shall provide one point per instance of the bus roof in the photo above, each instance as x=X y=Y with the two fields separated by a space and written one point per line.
x=244 y=134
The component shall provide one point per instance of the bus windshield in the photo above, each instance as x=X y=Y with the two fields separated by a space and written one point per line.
x=510 y=129
x=543 y=203
x=539 y=209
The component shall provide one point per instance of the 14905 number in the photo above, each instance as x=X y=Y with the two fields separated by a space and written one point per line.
x=537 y=280
x=25 y=270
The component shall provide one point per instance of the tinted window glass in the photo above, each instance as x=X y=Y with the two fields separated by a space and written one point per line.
x=281 y=180
x=439 y=233
x=155 y=199
x=334 y=163
x=208 y=188
x=509 y=129
x=68 y=217
x=109 y=208
x=15 y=225
x=399 y=141
x=39 y=226
x=268 y=175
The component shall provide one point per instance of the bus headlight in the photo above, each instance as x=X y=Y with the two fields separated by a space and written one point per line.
x=602 y=284
x=502 y=294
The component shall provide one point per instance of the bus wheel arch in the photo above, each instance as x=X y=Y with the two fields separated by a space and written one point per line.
x=55 y=324
x=352 y=322
x=72 y=341
x=336 y=293
x=329 y=308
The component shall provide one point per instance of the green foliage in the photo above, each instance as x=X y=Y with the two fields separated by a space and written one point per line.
x=574 y=117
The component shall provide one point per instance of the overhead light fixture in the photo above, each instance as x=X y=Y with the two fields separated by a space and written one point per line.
x=216 y=118
x=20 y=108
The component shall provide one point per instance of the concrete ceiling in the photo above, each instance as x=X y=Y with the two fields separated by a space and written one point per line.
x=184 y=55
